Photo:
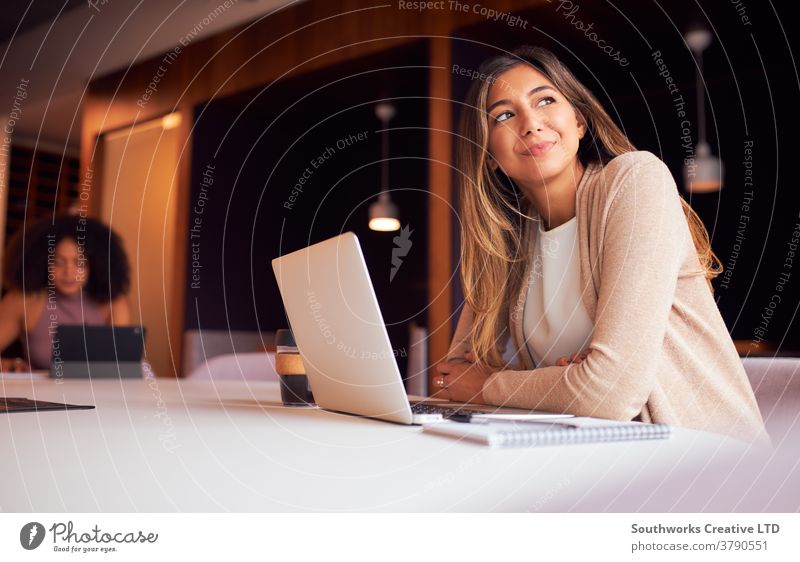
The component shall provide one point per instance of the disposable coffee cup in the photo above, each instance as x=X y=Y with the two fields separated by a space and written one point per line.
x=295 y=390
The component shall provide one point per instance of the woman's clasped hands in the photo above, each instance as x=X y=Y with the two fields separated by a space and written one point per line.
x=461 y=381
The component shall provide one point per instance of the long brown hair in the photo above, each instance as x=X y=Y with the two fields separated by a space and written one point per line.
x=493 y=259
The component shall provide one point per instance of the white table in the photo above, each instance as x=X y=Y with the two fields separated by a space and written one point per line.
x=179 y=445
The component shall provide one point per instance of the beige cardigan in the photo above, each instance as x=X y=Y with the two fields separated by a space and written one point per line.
x=660 y=350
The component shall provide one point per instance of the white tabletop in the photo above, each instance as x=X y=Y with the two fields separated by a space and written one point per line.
x=180 y=445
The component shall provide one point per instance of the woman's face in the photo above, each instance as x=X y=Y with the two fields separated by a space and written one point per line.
x=533 y=129
x=69 y=267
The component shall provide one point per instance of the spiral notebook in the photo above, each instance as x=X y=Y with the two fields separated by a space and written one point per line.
x=543 y=433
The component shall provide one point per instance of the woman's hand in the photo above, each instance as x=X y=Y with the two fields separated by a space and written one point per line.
x=461 y=381
x=577 y=358
x=16 y=365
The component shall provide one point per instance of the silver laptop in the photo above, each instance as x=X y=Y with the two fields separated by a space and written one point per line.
x=337 y=323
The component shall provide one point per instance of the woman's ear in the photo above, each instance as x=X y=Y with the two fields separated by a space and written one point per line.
x=492 y=163
x=581 y=122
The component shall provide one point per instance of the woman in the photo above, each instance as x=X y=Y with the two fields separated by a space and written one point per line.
x=66 y=270
x=578 y=249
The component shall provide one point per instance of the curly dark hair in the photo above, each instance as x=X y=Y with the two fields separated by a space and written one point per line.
x=27 y=253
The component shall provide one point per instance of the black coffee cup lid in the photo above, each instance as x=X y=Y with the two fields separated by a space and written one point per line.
x=285 y=337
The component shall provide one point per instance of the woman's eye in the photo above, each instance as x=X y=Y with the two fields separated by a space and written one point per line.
x=502 y=116
x=548 y=99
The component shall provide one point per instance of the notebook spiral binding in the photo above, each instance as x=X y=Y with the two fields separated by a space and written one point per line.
x=519 y=437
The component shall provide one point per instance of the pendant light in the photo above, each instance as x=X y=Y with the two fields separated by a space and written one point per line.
x=383 y=214
x=704 y=175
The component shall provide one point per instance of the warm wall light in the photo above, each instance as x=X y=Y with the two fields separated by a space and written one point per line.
x=171 y=121
x=704 y=174
x=383 y=214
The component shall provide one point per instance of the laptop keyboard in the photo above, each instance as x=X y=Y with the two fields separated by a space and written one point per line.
x=422 y=408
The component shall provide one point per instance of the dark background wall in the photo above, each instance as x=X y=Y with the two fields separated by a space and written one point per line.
x=261 y=143
x=749 y=86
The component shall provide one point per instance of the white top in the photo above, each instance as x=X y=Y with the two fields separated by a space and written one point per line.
x=555 y=322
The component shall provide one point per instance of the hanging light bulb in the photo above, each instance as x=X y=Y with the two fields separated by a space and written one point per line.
x=704 y=174
x=383 y=214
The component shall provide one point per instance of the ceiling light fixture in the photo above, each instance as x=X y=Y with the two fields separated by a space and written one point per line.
x=704 y=173
x=383 y=214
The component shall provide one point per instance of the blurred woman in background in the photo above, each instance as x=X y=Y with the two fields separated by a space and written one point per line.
x=65 y=270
